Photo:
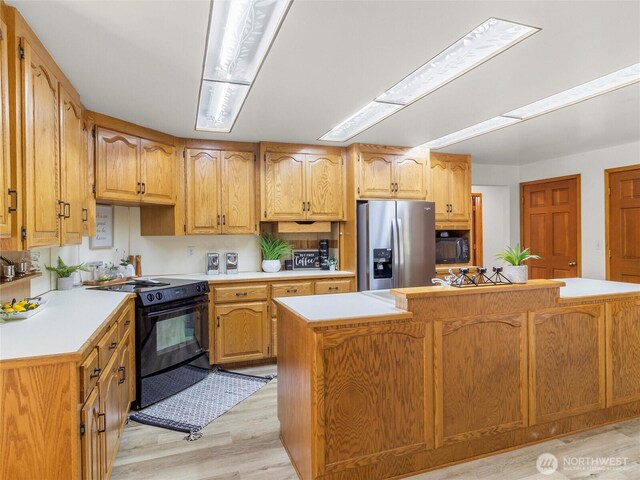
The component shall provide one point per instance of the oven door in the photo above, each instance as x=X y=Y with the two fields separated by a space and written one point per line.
x=170 y=335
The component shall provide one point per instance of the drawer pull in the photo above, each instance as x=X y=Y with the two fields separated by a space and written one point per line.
x=95 y=373
x=123 y=378
x=113 y=345
x=334 y=288
x=218 y=320
x=241 y=294
x=292 y=290
x=103 y=428
x=127 y=323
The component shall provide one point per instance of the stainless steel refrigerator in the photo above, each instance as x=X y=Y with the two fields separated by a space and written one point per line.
x=396 y=244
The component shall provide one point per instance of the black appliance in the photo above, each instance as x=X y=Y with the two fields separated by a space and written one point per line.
x=452 y=250
x=172 y=336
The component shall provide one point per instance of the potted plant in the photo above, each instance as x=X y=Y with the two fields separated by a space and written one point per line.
x=332 y=262
x=273 y=249
x=516 y=272
x=64 y=272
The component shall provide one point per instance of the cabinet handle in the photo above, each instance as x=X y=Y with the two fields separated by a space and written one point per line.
x=304 y=207
x=127 y=323
x=95 y=373
x=104 y=423
x=61 y=205
x=241 y=294
x=113 y=345
x=218 y=219
x=139 y=190
x=224 y=219
x=67 y=210
x=85 y=215
x=123 y=371
x=292 y=290
x=218 y=320
x=334 y=288
x=15 y=198
x=308 y=206
x=144 y=188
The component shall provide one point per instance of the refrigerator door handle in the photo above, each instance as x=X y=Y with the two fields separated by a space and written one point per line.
x=395 y=245
x=400 y=236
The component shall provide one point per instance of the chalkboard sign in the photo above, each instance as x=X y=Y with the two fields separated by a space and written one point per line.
x=306 y=259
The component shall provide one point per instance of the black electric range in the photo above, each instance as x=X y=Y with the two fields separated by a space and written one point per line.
x=155 y=291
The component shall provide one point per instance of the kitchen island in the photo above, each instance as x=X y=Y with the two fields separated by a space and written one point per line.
x=451 y=373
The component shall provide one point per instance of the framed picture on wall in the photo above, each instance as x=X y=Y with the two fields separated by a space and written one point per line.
x=104 y=228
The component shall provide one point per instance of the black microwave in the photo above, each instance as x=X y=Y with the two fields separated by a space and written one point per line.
x=452 y=250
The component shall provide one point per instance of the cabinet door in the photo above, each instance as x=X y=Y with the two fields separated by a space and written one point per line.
x=238 y=193
x=6 y=200
x=117 y=166
x=89 y=208
x=110 y=410
x=376 y=175
x=90 y=440
x=158 y=165
x=325 y=187
x=124 y=372
x=203 y=196
x=439 y=176
x=460 y=193
x=41 y=151
x=284 y=187
x=242 y=332
x=72 y=168
x=410 y=177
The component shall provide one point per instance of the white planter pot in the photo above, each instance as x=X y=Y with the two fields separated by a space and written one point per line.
x=516 y=273
x=65 y=283
x=271 y=266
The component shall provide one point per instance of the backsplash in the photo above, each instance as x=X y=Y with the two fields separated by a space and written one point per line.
x=160 y=255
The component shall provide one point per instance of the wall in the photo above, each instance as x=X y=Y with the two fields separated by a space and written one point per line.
x=160 y=255
x=496 y=225
x=590 y=165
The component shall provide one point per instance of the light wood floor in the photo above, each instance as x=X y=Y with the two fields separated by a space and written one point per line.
x=243 y=444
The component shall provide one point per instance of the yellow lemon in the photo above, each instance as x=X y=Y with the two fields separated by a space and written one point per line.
x=9 y=310
x=18 y=308
x=32 y=306
x=6 y=305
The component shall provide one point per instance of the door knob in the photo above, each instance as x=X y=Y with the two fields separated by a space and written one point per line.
x=572 y=264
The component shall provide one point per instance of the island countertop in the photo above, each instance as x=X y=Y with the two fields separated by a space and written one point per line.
x=587 y=287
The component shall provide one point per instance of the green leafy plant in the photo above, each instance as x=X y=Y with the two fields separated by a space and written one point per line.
x=332 y=261
x=516 y=256
x=274 y=248
x=63 y=270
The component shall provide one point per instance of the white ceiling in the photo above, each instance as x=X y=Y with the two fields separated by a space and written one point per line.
x=142 y=61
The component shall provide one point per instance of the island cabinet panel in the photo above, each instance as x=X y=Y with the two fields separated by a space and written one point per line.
x=567 y=362
x=363 y=417
x=623 y=352
x=480 y=367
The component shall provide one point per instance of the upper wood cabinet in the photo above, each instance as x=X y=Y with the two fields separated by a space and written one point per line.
x=451 y=190
x=299 y=186
x=42 y=201
x=220 y=192
x=131 y=169
x=385 y=175
x=8 y=195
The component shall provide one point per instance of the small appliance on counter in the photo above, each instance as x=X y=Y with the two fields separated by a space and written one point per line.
x=213 y=264
x=231 y=262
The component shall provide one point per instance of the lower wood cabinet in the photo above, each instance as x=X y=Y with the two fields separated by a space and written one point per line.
x=90 y=444
x=243 y=332
x=623 y=355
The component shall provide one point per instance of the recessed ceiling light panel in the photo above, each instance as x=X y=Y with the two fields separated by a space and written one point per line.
x=482 y=43
x=240 y=35
x=371 y=114
x=599 y=86
x=481 y=128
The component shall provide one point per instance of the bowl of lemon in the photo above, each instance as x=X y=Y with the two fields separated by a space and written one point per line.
x=26 y=308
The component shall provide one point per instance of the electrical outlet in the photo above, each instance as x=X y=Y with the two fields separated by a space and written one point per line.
x=190 y=251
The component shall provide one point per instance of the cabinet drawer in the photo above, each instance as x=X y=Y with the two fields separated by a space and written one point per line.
x=292 y=289
x=107 y=345
x=333 y=286
x=240 y=293
x=125 y=323
x=89 y=373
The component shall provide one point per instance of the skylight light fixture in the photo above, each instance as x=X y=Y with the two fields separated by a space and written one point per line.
x=599 y=86
x=479 y=45
x=240 y=35
x=481 y=128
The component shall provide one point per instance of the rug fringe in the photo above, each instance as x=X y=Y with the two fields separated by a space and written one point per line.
x=193 y=436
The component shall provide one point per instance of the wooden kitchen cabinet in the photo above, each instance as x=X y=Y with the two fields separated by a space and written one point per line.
x=302 y=186
x=289 y=289
x=131 y=169
x=242 y=332
x=392 y=176
x=451 y=190
x=89 y=199
x=623 y=338
x=220 y=192
x=8 y=195
x=90 y=440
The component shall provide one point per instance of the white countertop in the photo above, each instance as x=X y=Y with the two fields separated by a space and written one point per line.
x=339 y=306
x=68 y=320
x=586 y=287
x=249 y=276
